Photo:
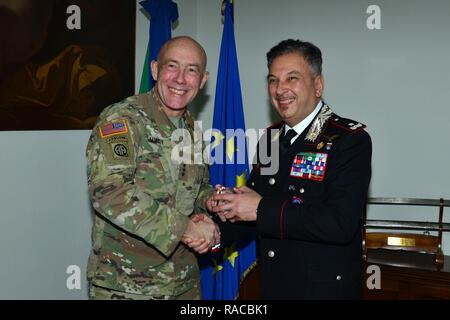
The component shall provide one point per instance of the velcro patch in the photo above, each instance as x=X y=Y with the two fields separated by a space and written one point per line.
x=309 y=165
x=113 y=128
x=118 y=148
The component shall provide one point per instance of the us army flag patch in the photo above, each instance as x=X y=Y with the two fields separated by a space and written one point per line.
x=116 y=142
x=113 y=128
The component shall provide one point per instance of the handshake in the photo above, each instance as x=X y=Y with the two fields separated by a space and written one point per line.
x=230 y=204
x=202 y=234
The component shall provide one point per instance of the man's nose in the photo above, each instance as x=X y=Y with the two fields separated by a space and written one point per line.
x=280 y=88
x=181 y=77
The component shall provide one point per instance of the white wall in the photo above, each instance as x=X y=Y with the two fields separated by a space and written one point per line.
x=395 y=80
x=45 y=219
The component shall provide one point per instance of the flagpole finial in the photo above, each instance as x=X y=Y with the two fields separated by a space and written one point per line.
x=222 y=8
x=224 y=4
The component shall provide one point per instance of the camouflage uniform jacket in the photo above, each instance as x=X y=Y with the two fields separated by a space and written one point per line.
x=142 y=200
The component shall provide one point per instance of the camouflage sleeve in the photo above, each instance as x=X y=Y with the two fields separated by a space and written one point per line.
x=205 y=192
x=111 y=154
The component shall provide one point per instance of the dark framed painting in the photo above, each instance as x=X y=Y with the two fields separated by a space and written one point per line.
x=63 y=61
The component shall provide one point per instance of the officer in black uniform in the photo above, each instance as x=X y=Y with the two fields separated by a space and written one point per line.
x=308 y=213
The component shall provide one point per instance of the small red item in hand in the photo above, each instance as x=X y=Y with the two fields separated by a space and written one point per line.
x=215 y=248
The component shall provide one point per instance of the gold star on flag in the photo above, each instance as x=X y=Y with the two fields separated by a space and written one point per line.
x=218 y=137
x=217 y=267
x=230 y=148
x=231 y=254
x=241 y=180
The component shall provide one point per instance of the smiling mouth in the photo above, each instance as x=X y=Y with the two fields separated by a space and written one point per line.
x=285 y=102
x=177 y=91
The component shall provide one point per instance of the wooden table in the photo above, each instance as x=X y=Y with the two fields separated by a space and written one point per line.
x=408 y=276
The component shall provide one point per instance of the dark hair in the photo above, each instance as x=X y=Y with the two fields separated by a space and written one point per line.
x=309 y=51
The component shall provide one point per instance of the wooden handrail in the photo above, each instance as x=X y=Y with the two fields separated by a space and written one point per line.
x=409 y=201
x=420 y=243
x=410 y=225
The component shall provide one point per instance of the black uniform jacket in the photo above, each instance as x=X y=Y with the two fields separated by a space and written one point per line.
x=310 y=217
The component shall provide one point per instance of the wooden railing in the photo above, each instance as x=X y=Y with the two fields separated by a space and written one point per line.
x=407 y=242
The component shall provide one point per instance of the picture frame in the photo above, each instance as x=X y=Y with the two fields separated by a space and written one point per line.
x=64 y=61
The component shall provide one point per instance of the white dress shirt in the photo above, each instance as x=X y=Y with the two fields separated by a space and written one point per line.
x=301 y=126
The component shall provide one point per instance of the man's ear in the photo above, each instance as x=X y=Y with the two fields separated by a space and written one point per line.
x=318 y=85
x=204 y=79
x=154 y=67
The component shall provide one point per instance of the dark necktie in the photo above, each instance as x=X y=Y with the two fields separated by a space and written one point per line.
x=285 y=141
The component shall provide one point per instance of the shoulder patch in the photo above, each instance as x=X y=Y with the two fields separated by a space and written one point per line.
x=116 y=142
x=113 y=128
x=347 y=124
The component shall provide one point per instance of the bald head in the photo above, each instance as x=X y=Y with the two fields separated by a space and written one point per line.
x=183 y=42
x=180 y=72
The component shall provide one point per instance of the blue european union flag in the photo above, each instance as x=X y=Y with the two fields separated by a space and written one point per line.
x=163 y=13
x=224 y=271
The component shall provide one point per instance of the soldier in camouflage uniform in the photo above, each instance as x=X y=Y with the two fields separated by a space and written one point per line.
x=143 y=198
